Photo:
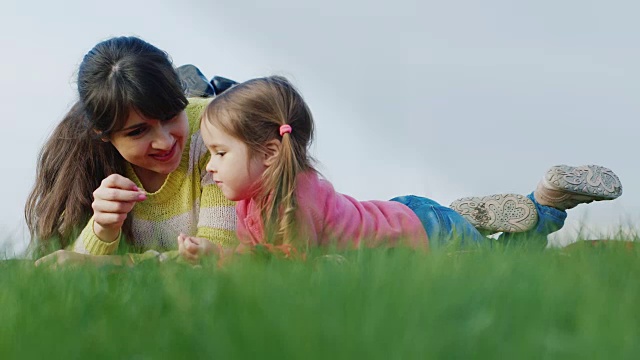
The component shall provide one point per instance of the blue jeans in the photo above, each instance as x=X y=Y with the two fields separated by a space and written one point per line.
x=443 y=224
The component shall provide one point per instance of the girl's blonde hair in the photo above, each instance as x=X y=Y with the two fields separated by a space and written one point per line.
x=253 y=112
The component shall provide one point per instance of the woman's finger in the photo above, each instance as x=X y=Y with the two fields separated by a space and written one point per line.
x=60 y=257
x=107 y=219
x=119 y=182
x=116 y=194
x=45 y=259
x=108 y=206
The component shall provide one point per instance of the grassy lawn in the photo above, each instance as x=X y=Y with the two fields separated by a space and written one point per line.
x=504 y=303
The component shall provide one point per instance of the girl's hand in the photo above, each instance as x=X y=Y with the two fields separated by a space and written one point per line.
x=112 y=201
x=70 y=258
x=193 y=249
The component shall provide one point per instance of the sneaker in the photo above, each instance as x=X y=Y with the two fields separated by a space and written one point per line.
x=564 y=187
x=194 y=82
x=498 y=213
x=220 y=84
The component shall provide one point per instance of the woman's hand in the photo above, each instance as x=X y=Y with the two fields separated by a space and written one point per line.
x=70 y=258
x=193 y=249
x=112 y=201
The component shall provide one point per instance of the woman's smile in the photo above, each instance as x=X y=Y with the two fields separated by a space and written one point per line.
x=167 y=156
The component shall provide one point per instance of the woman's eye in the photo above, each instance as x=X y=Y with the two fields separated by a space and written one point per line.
x=136 y=132
x=220 y=153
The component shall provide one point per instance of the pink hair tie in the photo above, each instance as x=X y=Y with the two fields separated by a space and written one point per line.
x=285 y=129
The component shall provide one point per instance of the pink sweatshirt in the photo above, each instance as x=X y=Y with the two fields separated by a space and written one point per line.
x=323 y=216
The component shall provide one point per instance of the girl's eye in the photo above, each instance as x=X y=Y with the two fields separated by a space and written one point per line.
x=136 y=132
x=220 y=153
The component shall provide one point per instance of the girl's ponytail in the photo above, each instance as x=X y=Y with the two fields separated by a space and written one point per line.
x=280 y=210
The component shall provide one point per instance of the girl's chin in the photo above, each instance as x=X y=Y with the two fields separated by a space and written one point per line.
x=235 y=197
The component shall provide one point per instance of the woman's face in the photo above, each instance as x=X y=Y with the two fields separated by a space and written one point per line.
x=153 y=147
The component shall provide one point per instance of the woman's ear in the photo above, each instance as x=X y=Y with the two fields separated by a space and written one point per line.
x=103 y=138
x=273 y=150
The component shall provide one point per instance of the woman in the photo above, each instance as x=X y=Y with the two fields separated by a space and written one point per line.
x=130 y=153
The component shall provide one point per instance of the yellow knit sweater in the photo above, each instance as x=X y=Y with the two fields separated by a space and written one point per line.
x=189 y=202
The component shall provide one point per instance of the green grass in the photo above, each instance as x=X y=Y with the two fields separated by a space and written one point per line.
x=507 y=303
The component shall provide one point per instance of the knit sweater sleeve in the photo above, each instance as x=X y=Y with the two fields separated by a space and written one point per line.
x=89 y=243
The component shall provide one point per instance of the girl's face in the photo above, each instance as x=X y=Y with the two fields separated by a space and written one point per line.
x=153 y=147
x=234 y=170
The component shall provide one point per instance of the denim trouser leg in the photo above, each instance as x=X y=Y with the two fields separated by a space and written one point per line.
x=441 y=223
x=549 y=220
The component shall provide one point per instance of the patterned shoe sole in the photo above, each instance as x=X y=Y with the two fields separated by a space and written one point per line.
x=591 y=180
x=496 y=213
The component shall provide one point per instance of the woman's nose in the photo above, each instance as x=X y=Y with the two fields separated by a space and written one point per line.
x=163 y=139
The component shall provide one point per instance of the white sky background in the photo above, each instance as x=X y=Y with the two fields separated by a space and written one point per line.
x=441 y=99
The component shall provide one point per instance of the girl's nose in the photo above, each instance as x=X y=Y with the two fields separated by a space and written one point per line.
x=210 y=167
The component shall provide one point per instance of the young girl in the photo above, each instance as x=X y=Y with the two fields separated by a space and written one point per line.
x=130 y=153
x=258 y=134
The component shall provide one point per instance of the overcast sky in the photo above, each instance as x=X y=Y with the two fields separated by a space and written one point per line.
x=437 y=98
